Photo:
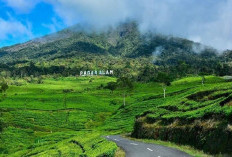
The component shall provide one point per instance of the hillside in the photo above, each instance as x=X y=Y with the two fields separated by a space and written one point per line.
x=117 y=48
x=48 y=117
x=199 y=116
x=43 y=119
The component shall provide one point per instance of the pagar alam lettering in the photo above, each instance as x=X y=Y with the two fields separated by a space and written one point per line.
x=96 y=72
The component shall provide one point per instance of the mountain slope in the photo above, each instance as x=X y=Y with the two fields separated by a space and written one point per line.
x=117 y=48
x=125 y=40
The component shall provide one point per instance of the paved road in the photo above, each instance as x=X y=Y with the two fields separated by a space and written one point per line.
x=140 y=149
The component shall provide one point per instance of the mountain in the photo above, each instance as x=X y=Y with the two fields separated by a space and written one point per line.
x=125 y=40
x=122 y=48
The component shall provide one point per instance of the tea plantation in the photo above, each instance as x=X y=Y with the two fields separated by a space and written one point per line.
x=200 y=117
x=68 y=116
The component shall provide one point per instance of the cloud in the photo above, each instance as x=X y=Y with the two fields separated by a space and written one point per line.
x=98 y=13
x=12 y=28
x=22 y=6
x=216 y=32
x=209 y=22
x=54 y=26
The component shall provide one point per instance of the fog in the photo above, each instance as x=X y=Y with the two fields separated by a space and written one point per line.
x=205 y=21
x=208 y=21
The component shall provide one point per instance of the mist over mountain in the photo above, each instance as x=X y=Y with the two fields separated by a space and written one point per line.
x=207 y=22
x=113 y=41
x=123 y=48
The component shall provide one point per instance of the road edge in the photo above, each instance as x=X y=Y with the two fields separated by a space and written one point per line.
x=184 y=148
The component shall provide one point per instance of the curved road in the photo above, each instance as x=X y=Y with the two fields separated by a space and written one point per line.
x=140 y=149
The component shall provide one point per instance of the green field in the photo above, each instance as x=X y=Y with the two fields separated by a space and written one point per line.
x=200 y=116
x=68 y=116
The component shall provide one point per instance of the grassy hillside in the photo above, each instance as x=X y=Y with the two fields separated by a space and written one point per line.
x=68 y=116
x=199 y=116
x=51 y=118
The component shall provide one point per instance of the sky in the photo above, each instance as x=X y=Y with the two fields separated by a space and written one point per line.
x=205 y=21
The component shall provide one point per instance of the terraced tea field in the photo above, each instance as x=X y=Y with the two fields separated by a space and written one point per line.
x=200 y=117
x=68 y=116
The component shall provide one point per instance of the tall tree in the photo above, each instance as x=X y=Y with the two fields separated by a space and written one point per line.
x=125 y=83
x=4 y=87
x=165 y=80
x=111 y=86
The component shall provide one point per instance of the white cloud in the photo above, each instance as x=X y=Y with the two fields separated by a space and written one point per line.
x=13 y=29
x=217 y=32
x=22 y=6
x=54 y=26
x=100 y=13
x=207 y=21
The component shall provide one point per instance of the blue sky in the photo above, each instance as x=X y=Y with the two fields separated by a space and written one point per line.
x=33 y=22
x=207 y=21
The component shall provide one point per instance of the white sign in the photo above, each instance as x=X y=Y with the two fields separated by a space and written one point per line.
x=96 y=72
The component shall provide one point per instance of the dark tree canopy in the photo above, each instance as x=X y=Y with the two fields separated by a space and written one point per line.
x=4 y=87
